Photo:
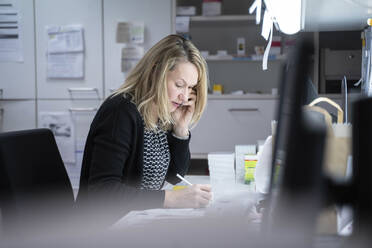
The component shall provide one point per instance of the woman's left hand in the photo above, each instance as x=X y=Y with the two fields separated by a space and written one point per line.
x=183 y=115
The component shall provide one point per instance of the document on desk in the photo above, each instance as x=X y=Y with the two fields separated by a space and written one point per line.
x=140 y=218
x=234 y=203
x=221 y=172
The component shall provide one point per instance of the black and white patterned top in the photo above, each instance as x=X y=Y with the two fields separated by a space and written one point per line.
x=156 y=159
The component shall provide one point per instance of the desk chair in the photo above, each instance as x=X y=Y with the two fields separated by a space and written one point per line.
x=35 y=190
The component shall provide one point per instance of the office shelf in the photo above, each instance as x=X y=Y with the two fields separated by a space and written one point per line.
x=246 y=96
x=223 y=18
x=250 y=58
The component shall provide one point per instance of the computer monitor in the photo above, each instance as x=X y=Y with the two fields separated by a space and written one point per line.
x=293 y=95
x=296 y=180
x=361 y=189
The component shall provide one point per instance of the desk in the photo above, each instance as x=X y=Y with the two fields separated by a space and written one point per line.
x=235 y=202
x=222 y=224
x=230 y=221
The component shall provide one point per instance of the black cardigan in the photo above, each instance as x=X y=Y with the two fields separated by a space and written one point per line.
x=112 y=165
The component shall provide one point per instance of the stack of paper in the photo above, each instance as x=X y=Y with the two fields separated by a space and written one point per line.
x=221 y=172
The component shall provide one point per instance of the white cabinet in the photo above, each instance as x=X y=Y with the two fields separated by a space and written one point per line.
x=87 y=13
x=157 y=19
x=25 y=90
x=226 y=123
x=17 y=115
x=82 y=113
x=18 y=78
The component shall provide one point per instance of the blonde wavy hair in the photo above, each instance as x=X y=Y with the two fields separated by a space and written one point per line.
x=146 y=83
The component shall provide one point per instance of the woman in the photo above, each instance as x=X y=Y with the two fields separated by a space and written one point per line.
x=140 y=135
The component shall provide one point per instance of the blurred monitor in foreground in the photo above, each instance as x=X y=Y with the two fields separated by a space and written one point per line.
x=296 y=180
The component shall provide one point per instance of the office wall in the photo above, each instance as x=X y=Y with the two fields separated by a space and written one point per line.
x=158 y=23
x=18 y=78
x=17 y=81
x=25 y=89
x=87 y=13
x=27 y=80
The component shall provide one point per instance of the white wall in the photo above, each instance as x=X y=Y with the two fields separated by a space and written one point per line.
x=26 y=90
x=27 y=80
x=158 y=23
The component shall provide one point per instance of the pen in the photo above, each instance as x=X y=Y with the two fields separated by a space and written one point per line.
x=183 y=179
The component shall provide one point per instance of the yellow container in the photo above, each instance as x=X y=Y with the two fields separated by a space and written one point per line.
x=217 y=89
x=250 y=162
x=178 y=187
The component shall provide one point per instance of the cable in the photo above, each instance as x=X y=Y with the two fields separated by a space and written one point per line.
x=344 y=81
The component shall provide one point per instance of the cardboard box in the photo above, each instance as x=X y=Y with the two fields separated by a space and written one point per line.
x=186 y=11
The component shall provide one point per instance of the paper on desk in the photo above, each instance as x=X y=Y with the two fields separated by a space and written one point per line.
x=237 y=201
x=221 y=172
x=135 y=218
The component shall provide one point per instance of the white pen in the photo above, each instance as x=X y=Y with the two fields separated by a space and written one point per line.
x=183 y=179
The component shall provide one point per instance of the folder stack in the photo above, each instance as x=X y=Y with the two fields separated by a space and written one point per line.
x=221 y=172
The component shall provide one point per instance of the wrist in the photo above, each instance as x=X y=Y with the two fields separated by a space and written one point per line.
x=168 y=203
x=181 y=132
